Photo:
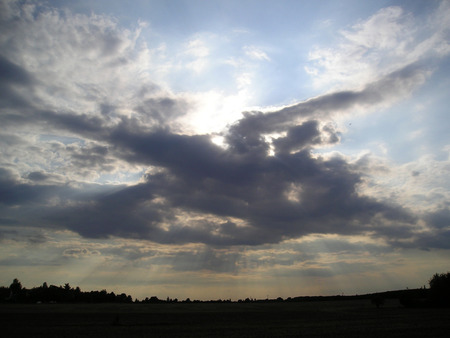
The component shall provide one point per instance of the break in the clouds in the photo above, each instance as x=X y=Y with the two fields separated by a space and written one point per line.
x=111 y=133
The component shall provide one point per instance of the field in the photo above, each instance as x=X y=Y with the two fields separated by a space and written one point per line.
x=349 y=318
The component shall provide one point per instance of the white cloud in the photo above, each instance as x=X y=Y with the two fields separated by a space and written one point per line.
x=256 y=53
x=420 y=185
x=197 y=48
x=385 y=42
x=198 y=53
x=381 y=31
x=85 y=65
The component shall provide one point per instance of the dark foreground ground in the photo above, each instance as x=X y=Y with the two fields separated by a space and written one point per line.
x=349 y=318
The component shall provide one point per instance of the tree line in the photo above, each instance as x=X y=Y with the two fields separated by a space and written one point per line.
x=15 y=293
x=437 y=295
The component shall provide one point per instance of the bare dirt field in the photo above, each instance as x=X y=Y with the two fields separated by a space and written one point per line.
x=349 y=318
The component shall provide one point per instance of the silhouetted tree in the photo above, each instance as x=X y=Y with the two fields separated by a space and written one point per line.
x=4 y=293
x=16 y=290
x=440 y=289
x=16 y=286
x=154 y=299
x=65 y=294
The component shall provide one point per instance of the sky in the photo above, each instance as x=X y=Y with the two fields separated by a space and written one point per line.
x=224 y=149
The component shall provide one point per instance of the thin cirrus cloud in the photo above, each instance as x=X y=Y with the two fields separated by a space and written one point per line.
x=385 y=42
x=79 y=104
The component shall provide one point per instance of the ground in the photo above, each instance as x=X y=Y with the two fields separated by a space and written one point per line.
x=350 y=318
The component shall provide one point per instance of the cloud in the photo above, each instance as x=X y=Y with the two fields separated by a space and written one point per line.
x=13 y=79
x=241 y=182
x=288 y=195
x=79 y=252
x=256 y=53
x=386 y=41
x=14 y=193
x=265 y=185
x=12 y=73
x=204 y=259
x=384 y=91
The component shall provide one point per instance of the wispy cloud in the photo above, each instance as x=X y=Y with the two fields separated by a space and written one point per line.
x=256 y=53
x=387 y=41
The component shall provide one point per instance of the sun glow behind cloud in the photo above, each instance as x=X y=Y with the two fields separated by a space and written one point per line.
x=223 y=163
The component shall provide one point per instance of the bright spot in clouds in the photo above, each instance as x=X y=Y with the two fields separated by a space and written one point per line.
x=226 y=149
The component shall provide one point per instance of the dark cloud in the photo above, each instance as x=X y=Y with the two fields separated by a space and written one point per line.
x=10 y=140
x=15 y=193
x=439 y=219
x=37 y=239
x=240 y=194
x=432 y=240
x=10 y=73
x=194 y=190
x=193 y=155
x=92 y=156
x=80 y=252
x=82 y=124
x=6 y=234
x=438 y=234
x=305 y=135
x=124 y=213
x=205 y=259
x=130 y=252
x=12 y=78
x=275 y=197
x=159 y=110
x=37 y=176
x=8 y=221
x=391 y=87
